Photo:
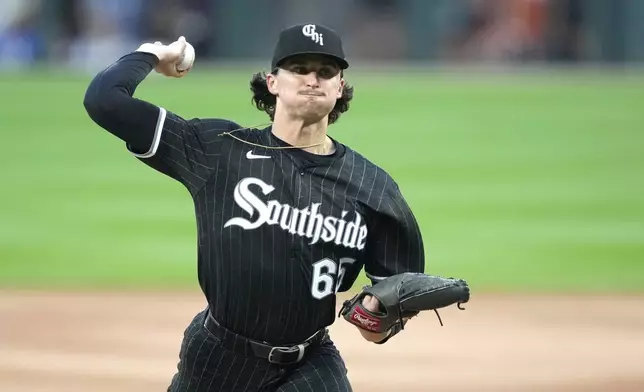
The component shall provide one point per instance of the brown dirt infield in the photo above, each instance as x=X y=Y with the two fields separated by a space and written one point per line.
x=126 y=342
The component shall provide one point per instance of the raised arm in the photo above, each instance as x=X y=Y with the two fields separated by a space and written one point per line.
x=186 y=150
x=109 y=100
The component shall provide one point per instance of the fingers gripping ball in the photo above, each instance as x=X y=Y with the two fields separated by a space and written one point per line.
x=403 y=296
x=175 y=59
x=187 y=59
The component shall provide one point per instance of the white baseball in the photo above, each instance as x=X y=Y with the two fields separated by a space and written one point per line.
x=188 y=58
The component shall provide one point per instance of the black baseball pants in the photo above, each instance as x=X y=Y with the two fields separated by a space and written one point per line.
x=209 y=363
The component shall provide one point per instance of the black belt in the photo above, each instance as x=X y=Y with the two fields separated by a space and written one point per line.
x=278 y=355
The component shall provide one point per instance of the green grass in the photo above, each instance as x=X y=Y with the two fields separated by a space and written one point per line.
x=532 y=182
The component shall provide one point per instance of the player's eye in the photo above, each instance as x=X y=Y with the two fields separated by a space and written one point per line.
x=299 y=69
x=327 y=72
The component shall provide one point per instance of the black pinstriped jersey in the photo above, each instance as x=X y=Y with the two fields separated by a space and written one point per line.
x=281 y=231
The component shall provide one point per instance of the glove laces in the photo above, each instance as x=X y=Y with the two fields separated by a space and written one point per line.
x=459 y=305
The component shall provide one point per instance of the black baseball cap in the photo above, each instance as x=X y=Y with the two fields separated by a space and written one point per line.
x=309 y=39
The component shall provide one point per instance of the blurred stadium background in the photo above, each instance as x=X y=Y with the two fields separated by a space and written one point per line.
x=514 y=128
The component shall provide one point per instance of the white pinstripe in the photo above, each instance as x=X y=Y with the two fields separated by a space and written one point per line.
x=214 y=377
x=194 y=364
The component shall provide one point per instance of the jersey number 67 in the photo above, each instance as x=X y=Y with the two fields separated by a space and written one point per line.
x=324 y=271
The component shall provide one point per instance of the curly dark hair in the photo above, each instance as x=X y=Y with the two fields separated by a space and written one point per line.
x=264 y=100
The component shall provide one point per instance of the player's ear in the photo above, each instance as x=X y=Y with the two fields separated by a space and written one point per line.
x=271 y=83
x=340 y=88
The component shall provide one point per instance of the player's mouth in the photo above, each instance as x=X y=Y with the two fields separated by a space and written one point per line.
x=312 y=93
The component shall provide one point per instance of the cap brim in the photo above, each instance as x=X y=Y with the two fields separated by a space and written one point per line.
x=342 y=63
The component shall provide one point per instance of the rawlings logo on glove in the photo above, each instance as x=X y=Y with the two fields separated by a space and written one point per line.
x=361 y=318
x=401 y=297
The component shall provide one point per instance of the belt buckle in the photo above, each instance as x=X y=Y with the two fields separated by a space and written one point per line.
x=287 y=350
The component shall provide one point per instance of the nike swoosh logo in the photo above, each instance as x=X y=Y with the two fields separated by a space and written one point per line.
x=250 y=155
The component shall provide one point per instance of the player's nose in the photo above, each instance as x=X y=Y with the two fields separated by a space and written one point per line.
x=312 y=79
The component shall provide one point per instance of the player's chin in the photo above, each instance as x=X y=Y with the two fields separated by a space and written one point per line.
x=313 y=116
x=316 y=109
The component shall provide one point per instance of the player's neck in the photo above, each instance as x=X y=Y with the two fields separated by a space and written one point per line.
x=311 y=137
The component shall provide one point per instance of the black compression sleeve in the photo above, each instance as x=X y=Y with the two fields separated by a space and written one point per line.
x=109 y=102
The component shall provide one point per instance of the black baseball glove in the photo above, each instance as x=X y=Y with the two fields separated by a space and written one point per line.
x=402 y=297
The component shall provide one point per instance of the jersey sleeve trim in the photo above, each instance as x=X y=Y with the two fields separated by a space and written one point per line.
x=157 y=136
